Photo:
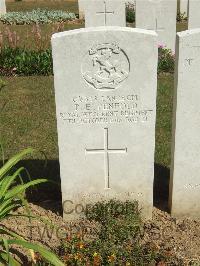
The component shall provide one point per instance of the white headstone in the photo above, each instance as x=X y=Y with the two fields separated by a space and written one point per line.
x=193 y=16
x=81 y=7
x=158 y=15
x=184 y=7
x=185 y=175
x=105 y=13
x=2 y=7
x=132 y=2
x=106 y=105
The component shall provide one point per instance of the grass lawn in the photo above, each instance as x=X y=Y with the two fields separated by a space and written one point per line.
x=66 y=5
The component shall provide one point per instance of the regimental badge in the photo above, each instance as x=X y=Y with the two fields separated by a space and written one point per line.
x=105 y=66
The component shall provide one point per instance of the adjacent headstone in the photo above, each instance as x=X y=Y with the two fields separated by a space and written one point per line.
x=81 y=7
x=105 y=13
x=2 y=7
x=158 y=15
x=193 y=16
x=184 y=7
x=106 y=106
x=185 y=170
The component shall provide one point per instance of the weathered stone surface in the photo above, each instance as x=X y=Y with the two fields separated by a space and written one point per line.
x=106 y=106
x=105 y=13
x=193 y=16
x=81 y=7
x=184 y=7
x=185 y=170
x=158 y=15
x=2 y=7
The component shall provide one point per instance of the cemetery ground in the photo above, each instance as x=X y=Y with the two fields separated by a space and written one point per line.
x=28 y=119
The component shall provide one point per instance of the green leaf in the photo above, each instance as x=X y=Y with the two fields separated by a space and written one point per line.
x=7 y=210
x=10 y=233
x=15 y=159
x=20 y=188
x=4 y=258
x=8 y=180
x=46 y=254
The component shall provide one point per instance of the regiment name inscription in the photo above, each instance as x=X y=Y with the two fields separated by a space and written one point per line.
x=106 y=109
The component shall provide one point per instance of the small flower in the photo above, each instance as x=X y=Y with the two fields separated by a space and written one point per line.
x=161 y=45
x=128 y=264
x=78 y=256
x=80 y=245
x=35 y=256
x=111 y=258
x=97 y=261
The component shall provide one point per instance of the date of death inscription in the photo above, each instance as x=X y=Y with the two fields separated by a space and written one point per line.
x=106 y=109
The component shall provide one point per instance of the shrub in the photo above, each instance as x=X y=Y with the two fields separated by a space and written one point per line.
x=165 y=60
x=117 y=241
x=37 y=16
x=20 y=61
x=181 y=17
x=130 y=13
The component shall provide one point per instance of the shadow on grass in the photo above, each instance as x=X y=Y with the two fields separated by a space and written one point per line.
x=46 y=195
x=161 y=187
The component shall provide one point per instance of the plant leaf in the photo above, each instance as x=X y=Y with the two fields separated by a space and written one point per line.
x=15 y=159
x=20 y=188
x=48 y=255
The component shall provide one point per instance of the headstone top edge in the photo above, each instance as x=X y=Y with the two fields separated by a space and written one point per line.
x=185 y=33
x=103 y=28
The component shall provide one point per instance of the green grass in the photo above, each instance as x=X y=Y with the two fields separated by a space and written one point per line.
x=66 y=5
x=28 y=116
x=181 y=26
x=164 y=119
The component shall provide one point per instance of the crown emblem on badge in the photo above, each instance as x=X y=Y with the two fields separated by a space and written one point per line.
x=105 y=66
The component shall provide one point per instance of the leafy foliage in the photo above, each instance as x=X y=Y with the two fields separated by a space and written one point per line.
x=117 y=242
x=130 y=13
x=25 y=62
x=12 y=192
x=166 y=60
x=21 y=61
x=181 y=17
x=38 y=16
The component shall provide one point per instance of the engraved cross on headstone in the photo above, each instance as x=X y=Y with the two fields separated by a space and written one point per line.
x=106 y=151
x=105 y=13
x=157 y=27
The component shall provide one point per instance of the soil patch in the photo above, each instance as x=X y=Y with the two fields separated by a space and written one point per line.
x=173 y=237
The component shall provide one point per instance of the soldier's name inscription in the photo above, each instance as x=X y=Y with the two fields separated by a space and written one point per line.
x=106 y=109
